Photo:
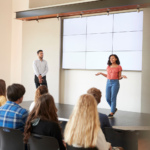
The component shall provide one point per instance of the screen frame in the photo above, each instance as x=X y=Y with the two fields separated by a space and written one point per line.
x=89 y=15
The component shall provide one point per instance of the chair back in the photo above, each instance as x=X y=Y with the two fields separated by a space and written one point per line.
x=79 y=148
x=40 y=142
x=11 y=139
x=122 y=138
x=63 y=125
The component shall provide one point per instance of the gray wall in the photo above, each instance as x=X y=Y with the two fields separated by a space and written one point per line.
x=145 y=100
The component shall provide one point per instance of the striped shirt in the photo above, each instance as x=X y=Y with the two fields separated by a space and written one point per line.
x=13 y=116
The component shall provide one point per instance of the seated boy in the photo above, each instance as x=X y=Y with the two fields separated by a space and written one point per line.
x=12 y=115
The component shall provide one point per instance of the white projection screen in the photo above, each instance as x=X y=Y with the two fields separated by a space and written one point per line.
x=89 y=41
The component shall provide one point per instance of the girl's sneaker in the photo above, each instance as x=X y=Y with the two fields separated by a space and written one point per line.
x=110 y=116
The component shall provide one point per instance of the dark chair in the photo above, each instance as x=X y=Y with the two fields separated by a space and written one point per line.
x=63 y=125
x=11 y=139
x=122 y=138
x=39 y=142
x=79 y=148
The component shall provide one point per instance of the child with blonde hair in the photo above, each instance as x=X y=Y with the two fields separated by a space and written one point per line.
x=83 y=128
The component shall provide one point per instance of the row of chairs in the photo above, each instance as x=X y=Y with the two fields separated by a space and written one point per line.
x=12 y=139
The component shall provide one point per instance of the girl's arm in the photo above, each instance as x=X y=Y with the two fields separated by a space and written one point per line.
x=122 y=76
x=100 y=73
x=102 y=144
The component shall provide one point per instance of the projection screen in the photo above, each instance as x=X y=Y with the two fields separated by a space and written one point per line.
x=88 y=41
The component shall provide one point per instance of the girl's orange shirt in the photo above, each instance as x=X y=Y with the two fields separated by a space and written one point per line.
x=113 y=73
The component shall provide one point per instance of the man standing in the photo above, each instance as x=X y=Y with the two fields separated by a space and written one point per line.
x=40 y=68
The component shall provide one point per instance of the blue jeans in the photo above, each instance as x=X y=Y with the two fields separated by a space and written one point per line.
x=112 y=89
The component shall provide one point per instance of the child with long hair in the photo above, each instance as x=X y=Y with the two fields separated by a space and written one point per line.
x=39 y=91
x=43 y=120
x=113 y=76
x=83 y=127
x=2 y=92
x=102 y=117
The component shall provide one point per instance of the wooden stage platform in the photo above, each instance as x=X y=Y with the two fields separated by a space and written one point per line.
x=122 y=120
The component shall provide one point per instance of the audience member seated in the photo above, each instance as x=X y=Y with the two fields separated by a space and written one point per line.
x=40 y=91
x=11 y=114
x=43 y=120
x=2 y=92
x=102 y=117
x=83 y=128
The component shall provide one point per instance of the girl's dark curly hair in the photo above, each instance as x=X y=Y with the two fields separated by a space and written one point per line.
x=117 y=61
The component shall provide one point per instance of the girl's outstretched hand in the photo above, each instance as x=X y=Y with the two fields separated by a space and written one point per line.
x=98 y=74
x=123 y=76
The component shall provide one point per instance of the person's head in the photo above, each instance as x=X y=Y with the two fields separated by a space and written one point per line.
x=83 y=125
x=96 y=93
x=15 y=93
x=2 y=88
x=44 y=109
x=40 y=54
x=113 y=59
x=40 y=91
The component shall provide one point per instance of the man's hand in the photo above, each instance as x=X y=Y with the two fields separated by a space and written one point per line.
x=40 y=78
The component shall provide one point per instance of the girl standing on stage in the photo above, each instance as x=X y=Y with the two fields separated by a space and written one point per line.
x=113 y=76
